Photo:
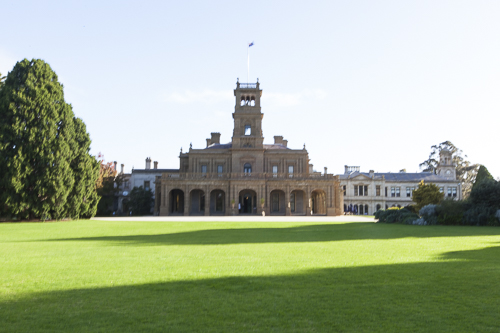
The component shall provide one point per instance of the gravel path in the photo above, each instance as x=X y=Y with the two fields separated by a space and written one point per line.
x=253 y=218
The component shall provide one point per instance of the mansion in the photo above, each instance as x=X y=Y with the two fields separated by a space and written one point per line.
x=246 y=176
x=366 y=192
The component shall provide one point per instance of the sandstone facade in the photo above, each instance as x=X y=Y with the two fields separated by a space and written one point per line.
x=247 y=176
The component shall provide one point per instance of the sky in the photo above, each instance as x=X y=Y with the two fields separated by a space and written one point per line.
x=362 y=83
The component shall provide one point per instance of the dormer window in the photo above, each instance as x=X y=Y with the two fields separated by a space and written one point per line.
x=248 y=130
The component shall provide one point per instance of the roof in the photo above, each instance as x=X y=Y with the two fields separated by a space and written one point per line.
x=220 y=146
x=275 y=146
x=399 y=176
x=154 y=170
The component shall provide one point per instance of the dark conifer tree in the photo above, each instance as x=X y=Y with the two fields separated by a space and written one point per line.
x=46 y=170
x=482 y=174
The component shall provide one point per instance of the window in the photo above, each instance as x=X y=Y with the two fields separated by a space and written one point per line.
x=397 y=192
x=454 y=192
x=203 y=169
x=247 y=168
x=345 y=190
x=366 y=209
x=219 y=169
x=248 y=130
x=377 y=189
x=449 y=191
x=146 y=185
x=126 y=184
x=361 y=190
x=275 y=171
x=409 y=191
x=290 y=171
x=386 y=191
x=292 y=202
x=441 y=189
x=393 y=191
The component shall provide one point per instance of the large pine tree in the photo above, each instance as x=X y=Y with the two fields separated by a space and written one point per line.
x=46 y=171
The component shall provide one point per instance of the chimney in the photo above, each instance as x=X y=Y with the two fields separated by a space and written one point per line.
x=215 y=137
x=278 y=140
x=156 y=164
x=346 y=170
x=122 y=165
x=372 y=174
x=148 y=163
x=115 y=163
x=208 y=142
x=285 y=143
x=326 y=169
x=311 y=170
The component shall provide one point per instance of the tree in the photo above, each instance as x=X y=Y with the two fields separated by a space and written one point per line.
x=2 y=81
x=466 y=171
x=482 y=174
x=486 y=193
x=46 y=170
x=426 y=194
x=106 y=188
x=140 y=201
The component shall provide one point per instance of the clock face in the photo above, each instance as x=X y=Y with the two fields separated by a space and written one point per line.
x=448 y=172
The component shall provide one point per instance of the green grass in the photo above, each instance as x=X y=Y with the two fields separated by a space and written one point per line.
x=248 y=277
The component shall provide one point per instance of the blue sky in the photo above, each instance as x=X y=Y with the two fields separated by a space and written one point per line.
x=368 y=83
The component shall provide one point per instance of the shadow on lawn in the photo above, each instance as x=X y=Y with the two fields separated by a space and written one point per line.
x=307 y=233
x=457 y=295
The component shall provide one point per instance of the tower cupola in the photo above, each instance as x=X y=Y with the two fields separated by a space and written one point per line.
x=247 y=131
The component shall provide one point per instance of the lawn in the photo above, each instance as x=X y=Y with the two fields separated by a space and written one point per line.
x=120 y=276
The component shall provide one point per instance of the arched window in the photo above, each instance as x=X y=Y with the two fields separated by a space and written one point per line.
x=378 y=208
x=248 y=130
x=366 y=209
x=247 y=168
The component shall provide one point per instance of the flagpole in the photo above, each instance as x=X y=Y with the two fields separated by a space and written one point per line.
x=248 y=62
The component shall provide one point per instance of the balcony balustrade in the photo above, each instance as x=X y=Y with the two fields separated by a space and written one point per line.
x=244 y=176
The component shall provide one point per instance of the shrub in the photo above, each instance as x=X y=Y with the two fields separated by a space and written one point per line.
x=480 y=215
x=412 y=208
x=396 y=215
x=450 y=212
x=428 y=213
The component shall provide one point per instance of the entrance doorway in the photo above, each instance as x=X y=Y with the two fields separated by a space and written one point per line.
x=176 y=202
x=247 y=202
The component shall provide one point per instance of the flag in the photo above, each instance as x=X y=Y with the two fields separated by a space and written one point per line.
x=251 y=44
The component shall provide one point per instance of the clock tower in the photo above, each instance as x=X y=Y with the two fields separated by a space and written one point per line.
x=445 y=167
